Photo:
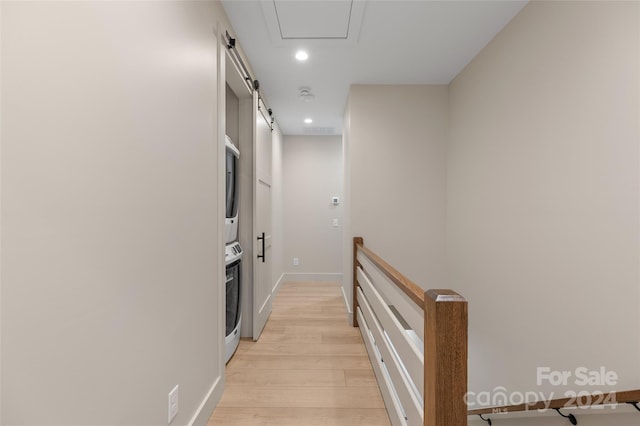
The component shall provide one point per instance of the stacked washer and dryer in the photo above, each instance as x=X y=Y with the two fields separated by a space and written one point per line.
x=233 y=251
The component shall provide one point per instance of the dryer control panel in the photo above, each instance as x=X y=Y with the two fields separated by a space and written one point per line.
x=232 y=252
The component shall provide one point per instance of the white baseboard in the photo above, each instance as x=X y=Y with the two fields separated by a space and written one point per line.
x=276 y=287
x=312 y=277
x=208 y=404
x=346 y=301
x=350 y=319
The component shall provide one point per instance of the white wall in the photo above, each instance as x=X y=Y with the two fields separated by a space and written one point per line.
x=312 y=175
x=534 y=150
x=277 y=204
x=347 y=235
x=231 y=113
x=543 y=198
x=111 y=212
x=395 y=163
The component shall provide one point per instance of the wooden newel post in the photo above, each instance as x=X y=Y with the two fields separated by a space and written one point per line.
x=356 y=241
x=445 y=358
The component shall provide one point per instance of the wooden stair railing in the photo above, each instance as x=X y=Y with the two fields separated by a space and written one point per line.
x=436 y=372
x=425 y=385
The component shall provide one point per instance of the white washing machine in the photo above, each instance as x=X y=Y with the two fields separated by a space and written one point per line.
x=233 y=285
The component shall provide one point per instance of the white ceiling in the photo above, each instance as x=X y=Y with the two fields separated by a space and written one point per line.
x=357 y=42
x=330 y=19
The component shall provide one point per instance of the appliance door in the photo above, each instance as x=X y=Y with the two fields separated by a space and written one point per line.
x=231 y=185
x=233 y=296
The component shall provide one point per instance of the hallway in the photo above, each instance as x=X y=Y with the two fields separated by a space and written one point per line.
x=310 y=367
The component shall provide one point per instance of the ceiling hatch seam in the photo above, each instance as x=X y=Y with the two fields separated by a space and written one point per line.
x=346 y=37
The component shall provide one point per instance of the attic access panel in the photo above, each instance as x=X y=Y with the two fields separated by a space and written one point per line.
x=313 y=19
x=291 y=20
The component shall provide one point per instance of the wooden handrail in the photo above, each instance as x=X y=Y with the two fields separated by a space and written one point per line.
x=408 y=287
x=622 y=397
x=445 y=341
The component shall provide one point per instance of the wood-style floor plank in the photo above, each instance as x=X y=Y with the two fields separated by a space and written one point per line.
x=309 y=362
x=306 y=378
x=276 y=348
x=313 y=397
x=232 y=416
x=309 y=367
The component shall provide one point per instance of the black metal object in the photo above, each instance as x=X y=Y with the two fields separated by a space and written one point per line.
x=231 y=45
x=273 y=118
x=261 y=256
x=251 y=82
x=231 y=42
x=571 y=417
x=488 y=420
x=634 y=404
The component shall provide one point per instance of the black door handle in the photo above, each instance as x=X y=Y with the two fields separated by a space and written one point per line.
x=261 y=256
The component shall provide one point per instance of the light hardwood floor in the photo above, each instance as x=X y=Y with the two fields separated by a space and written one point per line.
x=309 y=367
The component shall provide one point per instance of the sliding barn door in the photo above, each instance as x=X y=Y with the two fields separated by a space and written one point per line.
x=262 y=285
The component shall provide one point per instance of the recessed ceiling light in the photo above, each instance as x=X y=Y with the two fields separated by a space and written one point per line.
x=301 y=55
x=308 y=120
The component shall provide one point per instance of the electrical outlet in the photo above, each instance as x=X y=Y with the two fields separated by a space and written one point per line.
x=173 y=404
x=296 y=261
x=336 y=223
